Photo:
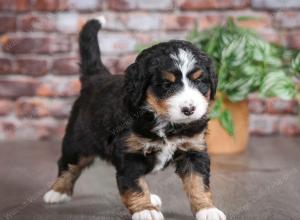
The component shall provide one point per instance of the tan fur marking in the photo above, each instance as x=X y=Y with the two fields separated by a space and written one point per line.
x=186 y=146
x=196 y=75
x=65 y=182
x=169 y=76
x=159 y=106
x=138 y=201
x=135 y=143
x=195 y=143
x=198 y=195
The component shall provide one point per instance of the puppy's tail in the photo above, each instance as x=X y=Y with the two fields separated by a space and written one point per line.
x=90 y=62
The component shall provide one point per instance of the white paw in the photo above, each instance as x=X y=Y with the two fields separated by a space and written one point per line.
x=155 y=200
x=210 y=214
x=56 y=197
x=148 y=215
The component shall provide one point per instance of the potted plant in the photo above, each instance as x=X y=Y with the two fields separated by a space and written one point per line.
x=245 y=64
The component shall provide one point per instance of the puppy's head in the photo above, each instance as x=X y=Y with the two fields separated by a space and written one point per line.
x=175 y=80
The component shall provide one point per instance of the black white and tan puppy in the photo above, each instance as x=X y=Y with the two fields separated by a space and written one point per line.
x=153 y=116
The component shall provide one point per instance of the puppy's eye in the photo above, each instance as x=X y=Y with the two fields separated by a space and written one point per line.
x=169 y=77
x=196 y=75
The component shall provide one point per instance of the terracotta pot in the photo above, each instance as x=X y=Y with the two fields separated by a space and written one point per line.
x=218 y=140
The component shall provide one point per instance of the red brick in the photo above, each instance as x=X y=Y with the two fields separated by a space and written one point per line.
x=124 y=62
x=114 y=21
x=45 y=129
x=45 y=89
x=264 y=124
x=125 y=5
x=147 y=39
x=209 y=21
x=212 y=4
x=51 y=5
x=90 y=5
x=117 y=43
x=32 y=108
x=68 y=22
x=27 y=45
x=48 y=129
x=60 y=44
x=29 y=23
x=15 y=5
x=43 y=45
x=120 y=5
x=293 y=39
x=274 y=4
x=179 y=22
x=37 y=129
x=271 y=36
x=66 y=66
x=60 y=108
x=289 y=125
x=40 y=107
x=33 y=67
x=111 y=62
x=13 y=87
x=6 y=107
x=278 y=106
x=288 y=19
x=256 y=105
x=145 y=22
x=258 y=21
x=7 y=129
x=8 y=24
x=6 y=66
x=154 y=4
x=59 y=87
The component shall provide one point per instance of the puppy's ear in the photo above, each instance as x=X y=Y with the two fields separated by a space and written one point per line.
x=213 y=78
x=136 y=85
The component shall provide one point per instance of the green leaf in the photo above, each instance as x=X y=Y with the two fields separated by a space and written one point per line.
x=216 y=110
x=227 y=122
x=295 y=66
x=247 y=18
x=278 y=84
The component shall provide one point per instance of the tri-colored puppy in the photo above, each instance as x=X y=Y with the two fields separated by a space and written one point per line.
x=153 y=116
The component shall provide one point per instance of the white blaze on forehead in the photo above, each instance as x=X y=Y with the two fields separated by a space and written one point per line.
x=184 y=60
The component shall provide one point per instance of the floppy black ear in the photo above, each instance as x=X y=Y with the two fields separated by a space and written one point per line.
x=213 y=79
x=136 y=85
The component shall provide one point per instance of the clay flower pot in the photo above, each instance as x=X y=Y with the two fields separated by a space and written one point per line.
x=219 y=141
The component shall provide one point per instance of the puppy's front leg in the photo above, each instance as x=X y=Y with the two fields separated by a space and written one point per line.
x=137 y=198
x=194 y=170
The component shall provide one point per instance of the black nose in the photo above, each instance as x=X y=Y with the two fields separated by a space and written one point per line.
x=188 y=110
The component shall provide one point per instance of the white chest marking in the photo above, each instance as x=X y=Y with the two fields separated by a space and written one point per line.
x=170 y=146
x=165 y=155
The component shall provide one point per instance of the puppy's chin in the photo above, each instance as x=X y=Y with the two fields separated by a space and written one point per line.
x=184 y=120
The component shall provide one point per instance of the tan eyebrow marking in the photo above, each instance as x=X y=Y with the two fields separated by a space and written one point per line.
x=196 y=75
x=169 y=76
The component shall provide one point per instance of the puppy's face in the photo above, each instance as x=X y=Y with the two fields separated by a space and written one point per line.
x=179 y=89
x=174 y=82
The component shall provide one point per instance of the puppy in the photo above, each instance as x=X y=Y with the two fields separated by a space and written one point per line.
x=153 y=116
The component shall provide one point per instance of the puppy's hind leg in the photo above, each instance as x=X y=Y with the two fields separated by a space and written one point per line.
x=62 y=189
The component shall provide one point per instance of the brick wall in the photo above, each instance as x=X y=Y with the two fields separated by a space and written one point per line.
x=38 y=54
